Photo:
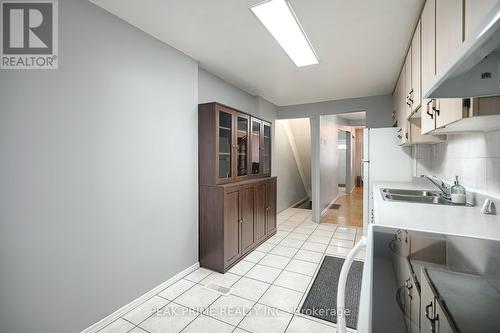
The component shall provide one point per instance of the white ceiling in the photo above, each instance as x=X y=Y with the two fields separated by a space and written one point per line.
x=353 y=116
x=360 y=43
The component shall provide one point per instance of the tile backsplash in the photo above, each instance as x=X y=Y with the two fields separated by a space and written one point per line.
x=474 y=157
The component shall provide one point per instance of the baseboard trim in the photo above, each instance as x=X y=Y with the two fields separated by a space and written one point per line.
x=300 y=202
x=139 y=300
x=331 y=203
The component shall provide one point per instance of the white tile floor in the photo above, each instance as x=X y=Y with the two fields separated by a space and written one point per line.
x=269 y=286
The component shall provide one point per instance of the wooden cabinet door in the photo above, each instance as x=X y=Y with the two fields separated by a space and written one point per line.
x=247 y=196
x=449 y=31
x=448 y=110
x=475 y=13
x=232 y=248
x=416 y=85
x=266 y=148
x=256 y=146
x=270 y=206
x=242 y=146
x=224 y=145
x=260 y=211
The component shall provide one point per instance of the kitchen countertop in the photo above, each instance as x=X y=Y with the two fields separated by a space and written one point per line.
x=453 y=220
x=471 y=300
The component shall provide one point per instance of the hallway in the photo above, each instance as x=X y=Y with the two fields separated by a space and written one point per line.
x=350 y=212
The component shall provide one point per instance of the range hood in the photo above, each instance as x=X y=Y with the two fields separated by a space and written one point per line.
x=474 y=71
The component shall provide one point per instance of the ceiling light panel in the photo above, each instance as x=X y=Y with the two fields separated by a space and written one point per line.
x=280 y=20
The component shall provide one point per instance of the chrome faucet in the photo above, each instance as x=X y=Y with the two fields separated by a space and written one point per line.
x=445 y=190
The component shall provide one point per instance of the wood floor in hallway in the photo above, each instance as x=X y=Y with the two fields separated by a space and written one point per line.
x=350 y=212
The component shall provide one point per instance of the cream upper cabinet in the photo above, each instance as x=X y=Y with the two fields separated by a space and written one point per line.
x=408 y=85
x=449 y=110
x=416 y=86
x=449 y=38
x=428 y=27
x=449 y=31
x=400 y=99
x=475 y=12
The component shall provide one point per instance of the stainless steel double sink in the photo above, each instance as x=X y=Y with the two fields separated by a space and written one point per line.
x=414 y=196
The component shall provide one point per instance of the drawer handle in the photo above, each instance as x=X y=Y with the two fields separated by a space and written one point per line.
x=432 y=320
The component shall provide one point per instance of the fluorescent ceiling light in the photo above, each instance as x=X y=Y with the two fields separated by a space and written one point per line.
x=280 y=20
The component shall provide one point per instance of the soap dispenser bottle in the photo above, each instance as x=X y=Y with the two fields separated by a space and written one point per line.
x=458 y=194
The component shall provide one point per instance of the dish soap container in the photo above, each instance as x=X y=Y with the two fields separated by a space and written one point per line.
x=458 y=193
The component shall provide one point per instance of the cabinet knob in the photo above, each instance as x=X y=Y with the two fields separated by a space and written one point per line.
x=268 y=208
x=241 y=221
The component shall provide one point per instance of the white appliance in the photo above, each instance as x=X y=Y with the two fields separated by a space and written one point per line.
x=383 y=160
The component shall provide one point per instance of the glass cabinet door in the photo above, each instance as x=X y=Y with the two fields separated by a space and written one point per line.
x=242 y=148
x=225 y=144
x=255 y=142
x=266 y=151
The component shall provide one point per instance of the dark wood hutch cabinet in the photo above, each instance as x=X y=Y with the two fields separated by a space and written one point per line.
x=237 y=196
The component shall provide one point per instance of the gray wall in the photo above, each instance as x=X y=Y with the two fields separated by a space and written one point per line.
x=378 y=109
x=211 y=88
x=98 y=179
x=214 y=89
x=290 y=186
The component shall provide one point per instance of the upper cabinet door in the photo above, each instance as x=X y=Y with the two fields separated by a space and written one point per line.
x=256 y=144
x=475 y=12
x=449 y=30
x=408 y=85
x=225 y=146
x=428 y=26
x=416 y=85
x=242 y=145
x=266 y=149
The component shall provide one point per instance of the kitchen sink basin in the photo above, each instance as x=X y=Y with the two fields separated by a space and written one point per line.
x=416 y=193
x=414 y=196
x=432 y=199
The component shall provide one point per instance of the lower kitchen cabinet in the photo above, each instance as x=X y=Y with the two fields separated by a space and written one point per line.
x=271 y=207
x=234 y=219
x=435 y=318
x=260 y=212
x=247 y=222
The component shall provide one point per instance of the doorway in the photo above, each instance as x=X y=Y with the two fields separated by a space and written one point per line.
x=293 y=164
x=346 y=206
